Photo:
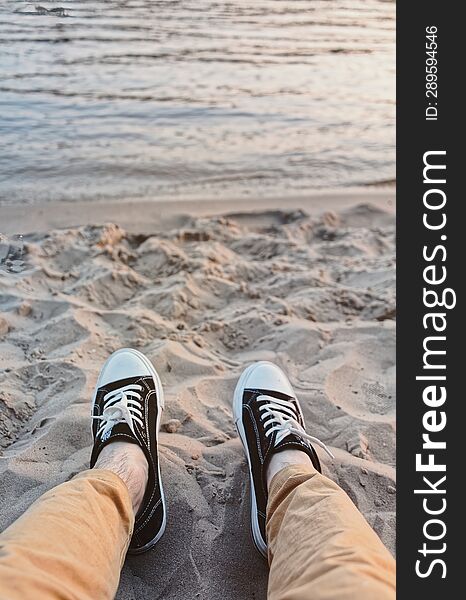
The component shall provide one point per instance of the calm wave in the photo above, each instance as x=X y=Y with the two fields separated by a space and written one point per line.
x=121 y=99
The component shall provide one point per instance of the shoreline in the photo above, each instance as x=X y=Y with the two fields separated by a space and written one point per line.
x=148 y=215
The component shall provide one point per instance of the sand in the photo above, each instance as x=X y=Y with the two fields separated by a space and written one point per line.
x=203 y=291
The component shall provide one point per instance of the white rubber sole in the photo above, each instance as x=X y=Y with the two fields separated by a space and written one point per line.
x=259 y=541
x=160 y=406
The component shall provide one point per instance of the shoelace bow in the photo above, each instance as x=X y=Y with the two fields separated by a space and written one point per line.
x=283 y=419
x=120 y=406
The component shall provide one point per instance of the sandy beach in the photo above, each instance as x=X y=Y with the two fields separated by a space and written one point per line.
x=202 y=289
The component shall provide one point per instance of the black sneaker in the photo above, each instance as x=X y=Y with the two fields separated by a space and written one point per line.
x=269 y=419
x=128 y=404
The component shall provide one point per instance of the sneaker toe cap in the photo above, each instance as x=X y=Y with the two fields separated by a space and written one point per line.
x=123 y=364
x=267 y=376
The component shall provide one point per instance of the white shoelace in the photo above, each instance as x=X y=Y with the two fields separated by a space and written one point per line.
x=120 y=406
x=283 y=419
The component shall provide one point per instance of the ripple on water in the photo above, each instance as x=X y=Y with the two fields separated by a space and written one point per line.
x=150 y=99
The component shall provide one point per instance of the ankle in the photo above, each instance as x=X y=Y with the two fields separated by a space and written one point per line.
x=283 y=459
x=128 y=462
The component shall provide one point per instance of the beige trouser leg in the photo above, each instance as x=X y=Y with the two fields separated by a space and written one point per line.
x=71 y=543
x=320 y=546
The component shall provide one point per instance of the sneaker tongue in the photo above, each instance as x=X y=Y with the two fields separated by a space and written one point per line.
x=294 y=442
x=120 y=431
x=290 y=442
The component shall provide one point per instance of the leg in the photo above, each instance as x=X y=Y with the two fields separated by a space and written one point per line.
x=71 y=543
x=319 y=544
